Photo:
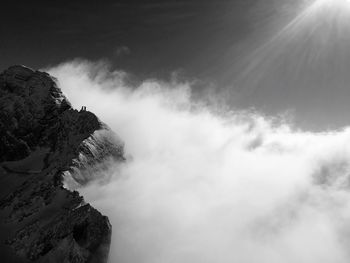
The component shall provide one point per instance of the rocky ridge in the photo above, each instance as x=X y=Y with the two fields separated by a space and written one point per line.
x=44 y=144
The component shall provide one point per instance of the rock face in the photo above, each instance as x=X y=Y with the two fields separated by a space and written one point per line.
x=44 y=145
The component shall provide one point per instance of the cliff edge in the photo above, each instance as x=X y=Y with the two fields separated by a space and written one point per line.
x=44 y=145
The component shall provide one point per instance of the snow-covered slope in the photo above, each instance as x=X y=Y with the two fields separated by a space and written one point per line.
x=44 y=146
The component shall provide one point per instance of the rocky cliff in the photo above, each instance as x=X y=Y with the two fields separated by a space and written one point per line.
x=45 y=145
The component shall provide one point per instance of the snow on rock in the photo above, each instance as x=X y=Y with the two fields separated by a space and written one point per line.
x=96 y=154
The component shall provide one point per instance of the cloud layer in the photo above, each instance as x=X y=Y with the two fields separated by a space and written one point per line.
x=205 y=187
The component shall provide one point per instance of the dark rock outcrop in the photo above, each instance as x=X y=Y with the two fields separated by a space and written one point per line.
x=42 y=141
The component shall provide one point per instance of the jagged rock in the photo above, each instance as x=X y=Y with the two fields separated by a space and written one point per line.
x=44 y=141
x=30 y=102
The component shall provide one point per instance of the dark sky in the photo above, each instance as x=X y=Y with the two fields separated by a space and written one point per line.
x=151 y=37
x=230 y=45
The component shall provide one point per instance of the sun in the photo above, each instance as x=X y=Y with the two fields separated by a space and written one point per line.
x=332 y=3
x=338 y=9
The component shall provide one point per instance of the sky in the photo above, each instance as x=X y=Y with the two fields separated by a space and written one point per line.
x=146 y=37
x=194 y=89
x=238 y=50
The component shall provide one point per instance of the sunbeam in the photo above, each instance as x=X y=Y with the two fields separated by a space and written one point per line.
x=304 y=63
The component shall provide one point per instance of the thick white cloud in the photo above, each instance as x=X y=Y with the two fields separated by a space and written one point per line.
x=200 y=187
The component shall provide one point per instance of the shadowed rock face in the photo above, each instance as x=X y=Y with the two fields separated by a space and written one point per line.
x=41 y=139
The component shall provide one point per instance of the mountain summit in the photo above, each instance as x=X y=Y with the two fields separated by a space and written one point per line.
x=47 y=149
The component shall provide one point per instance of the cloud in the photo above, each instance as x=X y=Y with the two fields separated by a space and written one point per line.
x=206 y=187
x=121 y=51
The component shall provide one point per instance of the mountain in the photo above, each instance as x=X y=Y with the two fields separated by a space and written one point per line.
x=48 y=149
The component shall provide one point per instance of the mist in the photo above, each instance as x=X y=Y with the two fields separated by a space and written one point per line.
x=202 y=185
